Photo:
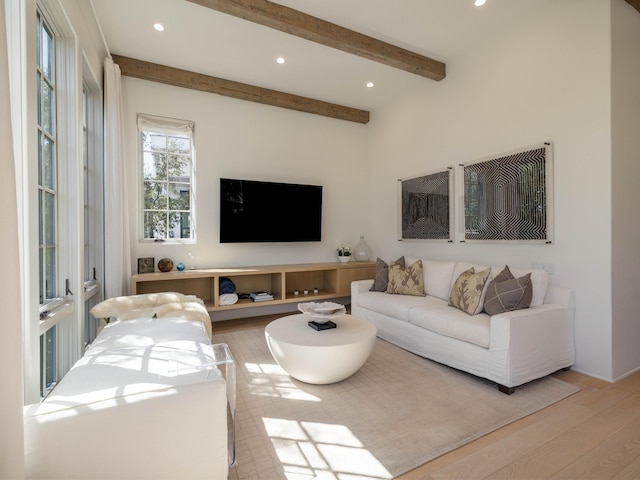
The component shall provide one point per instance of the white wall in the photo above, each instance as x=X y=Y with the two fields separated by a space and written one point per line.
x=625 y=173
x=11 y=345
x=239 y=139
x=541 y=78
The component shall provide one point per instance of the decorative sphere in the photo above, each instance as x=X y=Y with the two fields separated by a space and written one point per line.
x=180 y=267
x=165 y=265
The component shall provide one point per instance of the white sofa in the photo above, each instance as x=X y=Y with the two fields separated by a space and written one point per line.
x=147 y=400
x=509 y=348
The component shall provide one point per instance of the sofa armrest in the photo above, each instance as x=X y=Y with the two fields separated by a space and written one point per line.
x=535 y=341
x=560 y=296
x=358 y=287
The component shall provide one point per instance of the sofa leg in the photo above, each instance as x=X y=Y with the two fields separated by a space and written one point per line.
x=506 y=390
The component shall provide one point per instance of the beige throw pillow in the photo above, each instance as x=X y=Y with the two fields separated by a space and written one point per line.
x=406 y=280
x=466 y=293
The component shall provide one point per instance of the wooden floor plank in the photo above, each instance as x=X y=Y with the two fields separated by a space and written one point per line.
x=608 y=458
x=630 y=472
x=568 y=447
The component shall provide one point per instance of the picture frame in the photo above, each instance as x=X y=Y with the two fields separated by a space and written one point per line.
x=146 y=265
x=509 y=197
x=425 y=206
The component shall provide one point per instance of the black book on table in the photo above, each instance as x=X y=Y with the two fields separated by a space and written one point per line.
x=322 y=326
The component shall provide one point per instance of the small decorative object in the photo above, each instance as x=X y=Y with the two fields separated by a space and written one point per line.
x=165 y=265
x=315 y=290
x=322 y=312
x=362 y=252
x=321 y=326
x=180 y=267
x=296 y=292
x=306 y=292
x=192 y=262
x=344 y=252
x=146 y=265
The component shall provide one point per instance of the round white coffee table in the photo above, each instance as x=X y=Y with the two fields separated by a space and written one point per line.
x=320 y=357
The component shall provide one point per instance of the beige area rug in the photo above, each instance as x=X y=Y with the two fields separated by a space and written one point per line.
x=395 y=414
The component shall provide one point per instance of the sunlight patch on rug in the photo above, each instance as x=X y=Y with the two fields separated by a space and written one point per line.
x=270 y=380
x=320 y=450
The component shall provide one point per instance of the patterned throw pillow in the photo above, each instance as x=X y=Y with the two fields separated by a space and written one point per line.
x=506 y=293
x=406 y=281
x=382 y=275
x=467 y=291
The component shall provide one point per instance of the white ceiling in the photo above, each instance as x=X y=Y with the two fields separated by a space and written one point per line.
x=205 y=41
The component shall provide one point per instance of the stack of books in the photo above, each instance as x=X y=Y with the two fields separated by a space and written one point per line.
x=260 y=296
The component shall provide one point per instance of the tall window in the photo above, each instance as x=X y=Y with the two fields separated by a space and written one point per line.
x=47 y=196
x=93 y=205
x=47 y=174
x=168 y=198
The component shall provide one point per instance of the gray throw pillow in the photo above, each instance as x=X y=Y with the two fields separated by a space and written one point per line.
x=507 y=294
x=382 y=275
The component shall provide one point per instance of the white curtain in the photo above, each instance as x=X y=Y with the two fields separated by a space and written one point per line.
x=116 y=232
x=11 y=341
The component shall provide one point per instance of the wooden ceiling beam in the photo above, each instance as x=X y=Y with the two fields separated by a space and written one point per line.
x=154 y=72
x=300 y=24
x=635 y=4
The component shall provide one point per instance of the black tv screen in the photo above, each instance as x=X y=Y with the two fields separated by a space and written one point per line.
x=254 y=211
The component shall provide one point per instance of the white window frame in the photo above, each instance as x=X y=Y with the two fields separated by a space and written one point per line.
x=60 y=313
x=93 y=173
x=169 y=126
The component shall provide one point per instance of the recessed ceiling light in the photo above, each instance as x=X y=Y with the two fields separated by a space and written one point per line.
x=159 y=27
x=370 y=84
x=479 y=3
x=280 y=60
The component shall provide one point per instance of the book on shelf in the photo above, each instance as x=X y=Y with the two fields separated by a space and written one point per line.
x=260 y=296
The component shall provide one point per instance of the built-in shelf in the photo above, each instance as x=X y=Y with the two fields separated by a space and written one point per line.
x=332 y=280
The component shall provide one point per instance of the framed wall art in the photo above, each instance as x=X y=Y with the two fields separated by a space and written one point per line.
x=146 y=265
x=426 y=207
x=509 y=197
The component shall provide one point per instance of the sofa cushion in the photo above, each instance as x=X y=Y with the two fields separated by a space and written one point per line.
x=406 y=280
x=437 y=278
x=135 y=356
x=539 y=282
x=467 y=291
x=143 y=332
x=506 y=293
x=381 y=279
x=451 y=322
x=396 y=306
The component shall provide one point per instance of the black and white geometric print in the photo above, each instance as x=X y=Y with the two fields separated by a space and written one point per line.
x=425 y=207
x=506 y=198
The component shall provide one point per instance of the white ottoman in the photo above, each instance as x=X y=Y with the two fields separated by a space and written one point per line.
x=320 y=357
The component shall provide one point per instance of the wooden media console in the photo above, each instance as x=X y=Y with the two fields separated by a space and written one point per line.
x=332 y=280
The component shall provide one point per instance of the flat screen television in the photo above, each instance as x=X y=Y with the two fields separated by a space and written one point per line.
x=255 y=211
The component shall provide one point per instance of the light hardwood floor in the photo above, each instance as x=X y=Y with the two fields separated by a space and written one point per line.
x=594 y=434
